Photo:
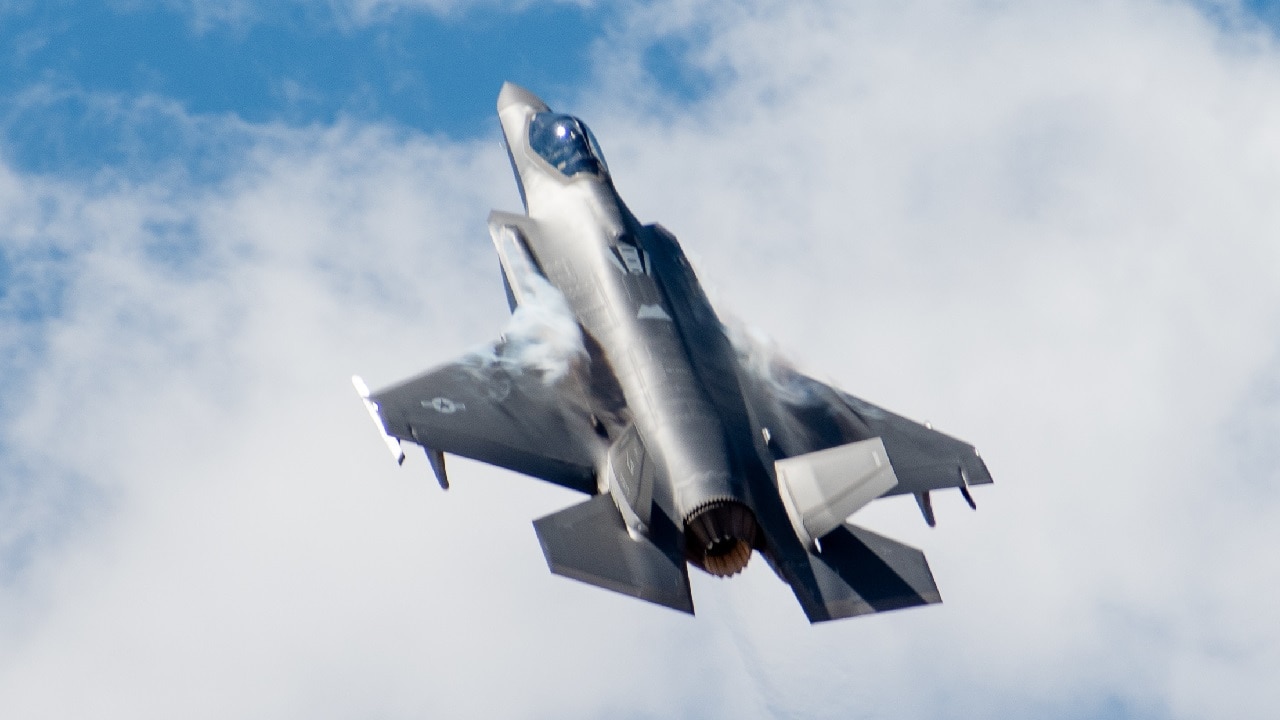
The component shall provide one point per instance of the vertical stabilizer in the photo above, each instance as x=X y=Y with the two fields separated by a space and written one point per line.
x=820 y=489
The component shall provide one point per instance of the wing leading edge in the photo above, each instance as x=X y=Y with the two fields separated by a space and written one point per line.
x=803 y=415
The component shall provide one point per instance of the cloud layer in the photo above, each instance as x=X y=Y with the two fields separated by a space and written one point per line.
x=1048 y=229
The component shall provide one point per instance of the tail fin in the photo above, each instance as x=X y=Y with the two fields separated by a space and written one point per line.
x=589 y=542
x=820 y=489
x=859 y=572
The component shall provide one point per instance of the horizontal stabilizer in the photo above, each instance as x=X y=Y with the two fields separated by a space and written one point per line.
x=589 y=542
x=859 y=572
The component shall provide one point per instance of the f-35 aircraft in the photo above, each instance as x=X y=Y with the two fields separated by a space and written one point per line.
x=616 y=378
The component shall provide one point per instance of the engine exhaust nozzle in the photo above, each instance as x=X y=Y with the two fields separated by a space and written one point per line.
x=719 y=536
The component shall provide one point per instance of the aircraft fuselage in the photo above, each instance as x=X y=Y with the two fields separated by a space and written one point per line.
x=592 y=249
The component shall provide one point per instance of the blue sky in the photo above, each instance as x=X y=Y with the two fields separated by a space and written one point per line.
x=289 y=63
x=1047 y=227
x=292 y=65
x=299 y=64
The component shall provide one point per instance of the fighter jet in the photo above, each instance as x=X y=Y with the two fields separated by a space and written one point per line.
x=617 y=379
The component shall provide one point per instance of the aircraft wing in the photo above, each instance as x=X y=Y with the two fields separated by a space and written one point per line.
x=486 y=408
x=803 y=415
x=923 y=458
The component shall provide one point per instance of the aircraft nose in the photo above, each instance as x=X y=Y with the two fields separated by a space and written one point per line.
x=512 y=94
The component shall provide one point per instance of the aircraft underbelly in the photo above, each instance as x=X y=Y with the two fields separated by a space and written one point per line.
x=609 y=286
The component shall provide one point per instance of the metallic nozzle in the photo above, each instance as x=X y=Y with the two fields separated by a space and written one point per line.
x=719 y=536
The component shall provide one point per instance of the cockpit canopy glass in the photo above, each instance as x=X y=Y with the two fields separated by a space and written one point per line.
x=566 y=144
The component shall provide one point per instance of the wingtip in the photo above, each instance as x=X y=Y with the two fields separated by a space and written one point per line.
x=393 y=444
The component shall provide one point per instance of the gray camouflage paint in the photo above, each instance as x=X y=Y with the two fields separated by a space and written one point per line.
x=650 y=407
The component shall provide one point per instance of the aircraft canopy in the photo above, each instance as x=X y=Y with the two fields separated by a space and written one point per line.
x=566 y=144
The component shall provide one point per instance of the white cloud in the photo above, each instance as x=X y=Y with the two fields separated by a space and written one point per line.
x=1055 y=225
x=1048 y=228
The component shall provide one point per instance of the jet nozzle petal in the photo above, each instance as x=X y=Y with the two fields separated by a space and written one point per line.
x=719 y=536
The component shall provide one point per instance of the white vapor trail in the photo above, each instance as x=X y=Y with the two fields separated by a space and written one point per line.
x=542 y=335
